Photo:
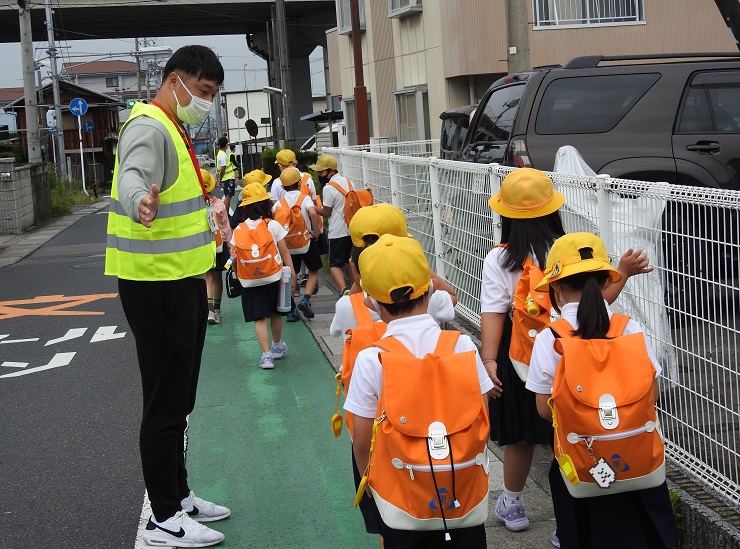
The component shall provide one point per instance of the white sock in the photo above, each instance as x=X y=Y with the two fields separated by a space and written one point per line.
x=510 y=498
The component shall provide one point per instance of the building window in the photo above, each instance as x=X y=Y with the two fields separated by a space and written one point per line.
x=403 y=8
x=583 y=13
x=111 y=82
x=345 y=18
x=350 y=119
x=412 y=114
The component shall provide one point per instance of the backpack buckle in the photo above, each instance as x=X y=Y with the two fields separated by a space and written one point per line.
x=439 y=444
x=608 y=414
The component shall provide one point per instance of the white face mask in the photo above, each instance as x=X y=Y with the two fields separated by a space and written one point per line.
x=196 y=111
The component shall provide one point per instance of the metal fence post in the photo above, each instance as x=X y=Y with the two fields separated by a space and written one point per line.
x=494 y=186
x=604 y=222
x=395 y=197
x=439 y=247
x=365 y=171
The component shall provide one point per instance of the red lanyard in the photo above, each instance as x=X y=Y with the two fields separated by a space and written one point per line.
x=190 y=148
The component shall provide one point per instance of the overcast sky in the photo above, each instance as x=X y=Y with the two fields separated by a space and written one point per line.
x=243 y=69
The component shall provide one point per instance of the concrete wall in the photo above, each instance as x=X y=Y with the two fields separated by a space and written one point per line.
x=24 y=196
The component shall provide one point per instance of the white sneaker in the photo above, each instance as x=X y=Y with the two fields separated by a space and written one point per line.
x=266 y=362
x=211 y=317
x=202 y=510
x=217 y=314
x=279 y=349
x=180 y=531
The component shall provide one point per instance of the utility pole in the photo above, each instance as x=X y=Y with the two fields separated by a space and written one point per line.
x=33 y=143
x=62 y=164
x=517 y=33
x=284 y=69
x=276 y=107
x=730 y=10
x=138 y=68
x=361 y=114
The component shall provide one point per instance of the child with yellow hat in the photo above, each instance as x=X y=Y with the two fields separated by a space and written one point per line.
x=396 y=276
x=530 y=224
x=259 y=245
x=214 y=278
x=577 y=273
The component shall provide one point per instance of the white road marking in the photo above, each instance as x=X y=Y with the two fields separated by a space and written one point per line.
x=3 y=336
x=59 y=359
x=71 y=334
x=106 y=332
x=19 y=340
x=15 y=364
x=146 y=512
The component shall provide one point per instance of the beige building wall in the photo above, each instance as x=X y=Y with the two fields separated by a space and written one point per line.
x=684 y=26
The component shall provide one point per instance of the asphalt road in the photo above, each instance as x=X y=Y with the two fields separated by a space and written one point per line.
x=69 y=465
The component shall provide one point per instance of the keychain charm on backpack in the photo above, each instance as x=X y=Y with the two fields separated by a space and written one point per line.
x=603 y=474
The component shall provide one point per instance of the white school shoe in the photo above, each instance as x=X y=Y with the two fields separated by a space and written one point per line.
x=180 y=531
x=202 y=510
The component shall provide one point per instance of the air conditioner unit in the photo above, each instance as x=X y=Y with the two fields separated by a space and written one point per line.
x=398 y=9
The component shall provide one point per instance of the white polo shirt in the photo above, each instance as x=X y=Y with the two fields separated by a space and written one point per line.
x=419 y=334
x=498 y=283
x=334 y=199
x=440 y=308
x=545 y=359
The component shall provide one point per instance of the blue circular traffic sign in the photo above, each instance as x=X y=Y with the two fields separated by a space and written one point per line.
x=87 y=126
x=78 y=106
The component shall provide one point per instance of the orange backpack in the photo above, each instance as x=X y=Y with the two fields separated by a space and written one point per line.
x=298 y=238
x=530 y=313
x=353 y=200
x=305 y=189
x=607 y=438
x=256 y=252
x=360 y=338
x=428 y=467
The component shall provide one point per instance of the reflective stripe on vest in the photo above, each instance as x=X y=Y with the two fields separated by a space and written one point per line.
x=179 y=243
x=230 y=172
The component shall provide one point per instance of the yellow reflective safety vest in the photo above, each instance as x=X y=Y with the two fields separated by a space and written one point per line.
x=230 y=172
x=179 y=243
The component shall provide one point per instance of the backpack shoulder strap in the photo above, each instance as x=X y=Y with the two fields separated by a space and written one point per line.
x=561 y=328
x=349 y=185
x=284 y=203
x=446 y=342
x=362 y=313
x=617 y=325
x=338 y=187
x=392 y=345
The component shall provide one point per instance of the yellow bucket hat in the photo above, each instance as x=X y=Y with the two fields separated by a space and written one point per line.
x=254 y=192
x=208 y=180
x=378 y=219
x=391 y=263
x=526 y=193
x=257 y=176
x=566 y=258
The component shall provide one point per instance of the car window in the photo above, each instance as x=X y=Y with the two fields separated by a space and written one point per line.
x=447 y=139
x=711 y=104
x=590 y=104
x=497 y=117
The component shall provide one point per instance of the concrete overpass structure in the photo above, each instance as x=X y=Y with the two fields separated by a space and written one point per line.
x=306 y=21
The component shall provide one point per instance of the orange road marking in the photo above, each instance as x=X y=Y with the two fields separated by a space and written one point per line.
x=58 y=305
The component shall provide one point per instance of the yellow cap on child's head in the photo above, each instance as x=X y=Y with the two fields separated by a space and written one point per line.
x=526 y=193
x=257 y=176
x=254 y=192
x=285 y=157
x=576 y=253
x=391 y=263
x=208 y=180
x=290 y=176
x=378 y=219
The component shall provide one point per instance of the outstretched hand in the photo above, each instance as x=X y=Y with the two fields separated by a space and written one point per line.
x=148 y=207
x=634 y=262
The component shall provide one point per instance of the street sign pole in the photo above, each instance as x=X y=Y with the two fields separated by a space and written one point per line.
x=239 y=113
x=78 y=107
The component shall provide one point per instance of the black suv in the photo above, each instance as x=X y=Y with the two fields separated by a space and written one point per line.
x=653 y=120
x=644 y=117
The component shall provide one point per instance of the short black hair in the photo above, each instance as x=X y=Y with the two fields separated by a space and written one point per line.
x=232 y=147
x=293 y=187
x=354 y=254
x=222 y=142
x=197 y=61
x=401 y=302
x=255 y=210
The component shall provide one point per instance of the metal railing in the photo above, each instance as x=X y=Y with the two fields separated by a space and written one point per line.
x=688 y=304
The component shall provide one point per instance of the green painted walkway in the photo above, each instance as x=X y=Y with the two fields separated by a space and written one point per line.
x=260 y=443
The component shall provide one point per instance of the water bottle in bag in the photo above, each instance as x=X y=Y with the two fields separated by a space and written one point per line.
x=284 y=297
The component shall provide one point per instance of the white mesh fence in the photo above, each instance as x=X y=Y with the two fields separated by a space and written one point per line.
x=689 y=304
